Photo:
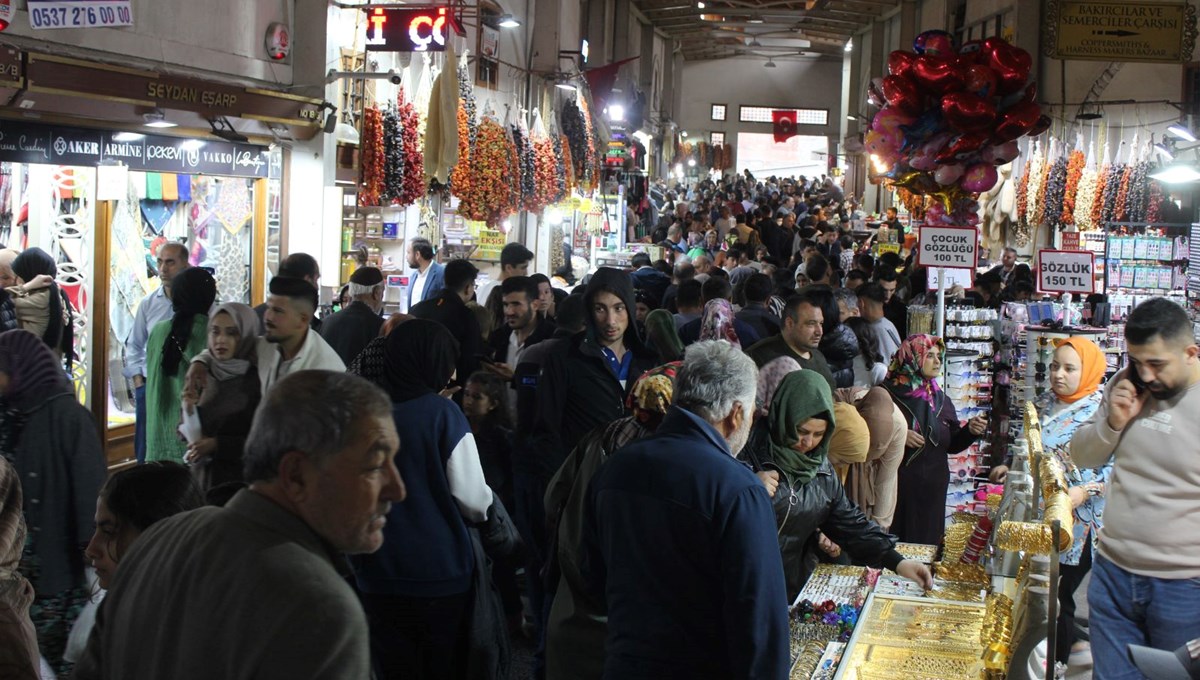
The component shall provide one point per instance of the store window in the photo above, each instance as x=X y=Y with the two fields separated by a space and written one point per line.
x=762 y=114
x=799 y=155
x=487 y=63
x=719 y=111
x=718 y=138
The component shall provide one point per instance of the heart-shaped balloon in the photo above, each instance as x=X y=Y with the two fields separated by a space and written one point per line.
x=936 y=74
x=875 y=92
x=935 y=43
x=979 y=178
x=1011 y=66
x=979 y=79
x=968 y=112
x=948 y=174
x=902 y=93
x=970 y=53
x=1042 y=124
x=962 y=147
x=900 y=62
x=1017 y=121
x=1001 y=154
x=1027 y=94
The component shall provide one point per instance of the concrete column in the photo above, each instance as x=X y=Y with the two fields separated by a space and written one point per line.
x=908 y=23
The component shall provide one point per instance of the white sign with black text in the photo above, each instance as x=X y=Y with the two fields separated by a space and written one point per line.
x=954 y=277
x=1066 y=271
x=947 y=247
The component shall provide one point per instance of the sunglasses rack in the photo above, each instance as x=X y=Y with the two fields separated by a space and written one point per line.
x=968 y=380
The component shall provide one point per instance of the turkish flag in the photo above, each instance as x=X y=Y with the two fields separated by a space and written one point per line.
x=785 y=125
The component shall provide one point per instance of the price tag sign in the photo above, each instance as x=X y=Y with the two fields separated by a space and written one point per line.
x=1066 y=271
x=47 y=14
x=954 y=277
x=947 y=247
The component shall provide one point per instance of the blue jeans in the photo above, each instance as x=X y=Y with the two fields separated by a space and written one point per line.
x=1129 y=609
x=139 y=425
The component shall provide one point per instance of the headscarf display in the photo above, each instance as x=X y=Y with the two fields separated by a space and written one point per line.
x=660 y=327
x=192 y=293
x=247 y=324
x=32 y=263
x=717 y=322
x=419 y=359
x=802 y=395
x=905 y=372
x=1092 y=366
x=769 y=377
x=30 y=365
x=653 y=393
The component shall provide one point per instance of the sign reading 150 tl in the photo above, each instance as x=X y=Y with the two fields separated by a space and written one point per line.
x=406 y=30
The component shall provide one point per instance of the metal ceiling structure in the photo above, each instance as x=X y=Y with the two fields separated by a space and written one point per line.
x=775 y=29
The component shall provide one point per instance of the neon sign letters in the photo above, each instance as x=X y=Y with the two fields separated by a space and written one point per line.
x=403 y=30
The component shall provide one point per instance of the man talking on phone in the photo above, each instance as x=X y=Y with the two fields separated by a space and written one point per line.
x=1143 y=589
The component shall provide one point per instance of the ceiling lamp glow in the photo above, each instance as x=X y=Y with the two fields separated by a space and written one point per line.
x=1176 y=174
x=770 y=64
x=1182 y=132
x=508 y=21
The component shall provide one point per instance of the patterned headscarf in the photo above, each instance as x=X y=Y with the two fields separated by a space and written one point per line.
x=905 y=371
x=769 y=377
x=717 y=322
x=653 y=393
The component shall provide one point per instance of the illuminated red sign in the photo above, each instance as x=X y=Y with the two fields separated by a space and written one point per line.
x=406 y=30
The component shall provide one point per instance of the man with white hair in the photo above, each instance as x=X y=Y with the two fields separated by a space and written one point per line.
x=349 y=330
x=679 y=538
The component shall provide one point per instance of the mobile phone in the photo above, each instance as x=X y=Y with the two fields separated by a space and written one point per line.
x=1134 y=377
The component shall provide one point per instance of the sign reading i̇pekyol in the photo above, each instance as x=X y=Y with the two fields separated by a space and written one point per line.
x=947 y=247
x=1066 y=271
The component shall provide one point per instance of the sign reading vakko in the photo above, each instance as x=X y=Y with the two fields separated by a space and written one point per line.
x=947 y=247
x=1120 y=31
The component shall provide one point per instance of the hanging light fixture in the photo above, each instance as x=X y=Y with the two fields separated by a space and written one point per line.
x=770 y=63
x=508 y=21
x=1181 y=131
x=1177 y=173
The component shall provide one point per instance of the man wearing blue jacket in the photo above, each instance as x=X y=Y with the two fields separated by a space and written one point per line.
x=679 y=538
x=427 y=281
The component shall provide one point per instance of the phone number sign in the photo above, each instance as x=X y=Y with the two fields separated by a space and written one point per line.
x=49 y=14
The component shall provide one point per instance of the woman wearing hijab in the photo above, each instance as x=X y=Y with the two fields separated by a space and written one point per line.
x=226 y=406
x=871 y=484
x=717 y=322
x=51 y=440
x=42 y=307
x=769 y=376
x=663 y=335
x=934 y=432
x=169 y=351
x=19 y=658
x=416 y=590
x=577 y=626
x=788 y=449
x=1076 y=373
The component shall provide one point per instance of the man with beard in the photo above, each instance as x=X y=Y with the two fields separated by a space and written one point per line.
x=679 y=538
x=1145 y=573
x=521 y=330
x=426 y=281
x=799 y=338
x=290 y=344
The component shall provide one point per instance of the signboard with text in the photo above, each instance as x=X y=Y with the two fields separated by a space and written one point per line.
x=947 y=247
x=46 y=14
x=1070 y=240
x=954 y=277
x=1120 y=31
x=1066 y=271
x=407 y=30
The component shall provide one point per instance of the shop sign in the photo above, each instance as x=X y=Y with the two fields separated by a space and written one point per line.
x=489 y=43
x=954 y=277
x=947 y=247
x=63 y=75
x=22 y=142
x=1066 y=271
x=488 y=242
x=45 y=14
x=1120 y=31
x=406 y=30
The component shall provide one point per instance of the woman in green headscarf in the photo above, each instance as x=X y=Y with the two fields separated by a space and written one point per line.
x=664 y=335
x=789 y=451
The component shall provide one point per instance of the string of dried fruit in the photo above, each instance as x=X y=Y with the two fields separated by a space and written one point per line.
x=1023 y=197
x=560 y=170
x=525 y=177
x=1112 y=185
x=372 y=158
x=393 y=161
x=490 y=197
x=411 y=149
x=1075 y=164
x=466 y=93
x=1138 y=189
x=592 y=162
x=1121 y=207
x=568 y=164
x=1037 y=172
x=1085 y=199
x=1098 y=200
x=545 y=181
x=1154 y=202
x=574 y=128
x=460 y=176
x=1056 y=186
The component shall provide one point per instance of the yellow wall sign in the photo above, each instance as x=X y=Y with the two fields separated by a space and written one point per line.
x=489 y=243
x=1120 y=31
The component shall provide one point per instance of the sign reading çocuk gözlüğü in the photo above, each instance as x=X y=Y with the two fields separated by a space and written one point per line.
x=1119 y=31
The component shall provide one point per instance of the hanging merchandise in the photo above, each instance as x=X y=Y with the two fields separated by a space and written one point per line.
x=393 y=159
x=525 y=178
x=566 y=164
x=491 y=195
x=1075 y=164
x=442 y=130
x=1039 y=196
x=575 y=129
x=1154 y=207
x=373 y=158
x=413 y=187
x=1085 y=197
x=1056 y=189
x=1138 y=190
x=468 y=130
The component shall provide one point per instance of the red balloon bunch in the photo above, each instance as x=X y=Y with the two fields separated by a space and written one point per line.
x=949 y=116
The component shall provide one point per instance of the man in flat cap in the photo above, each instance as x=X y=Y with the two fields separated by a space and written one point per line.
x=349 y=330
x=289 y=344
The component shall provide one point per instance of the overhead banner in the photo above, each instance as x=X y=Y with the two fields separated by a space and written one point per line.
x=46 y=14
x=1120 y=31
x=947 y=247
x=1066 y=271
x=22 y=142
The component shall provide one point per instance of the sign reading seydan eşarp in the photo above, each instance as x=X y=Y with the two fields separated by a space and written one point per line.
x=1066 y=271
x=947 y=247
x=44 y=14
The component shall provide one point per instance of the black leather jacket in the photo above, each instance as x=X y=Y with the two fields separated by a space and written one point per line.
x=802 y=509
x=840 y=347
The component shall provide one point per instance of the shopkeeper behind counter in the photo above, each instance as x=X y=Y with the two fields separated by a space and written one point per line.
x=788 y=450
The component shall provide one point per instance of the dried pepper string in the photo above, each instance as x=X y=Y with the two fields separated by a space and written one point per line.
x=1075 y=164
x=373 y=158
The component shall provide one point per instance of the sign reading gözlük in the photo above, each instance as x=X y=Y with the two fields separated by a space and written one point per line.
x=33 y=143
x=1119 y=31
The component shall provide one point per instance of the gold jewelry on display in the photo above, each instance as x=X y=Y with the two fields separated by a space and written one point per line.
x=958 y=571
x=1024 y=536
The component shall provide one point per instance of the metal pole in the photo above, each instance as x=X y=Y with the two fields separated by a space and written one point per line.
x=940 y=319
x=1052 y=604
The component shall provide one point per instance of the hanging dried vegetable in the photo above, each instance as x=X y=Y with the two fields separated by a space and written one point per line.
x=410 y=148
x=393 y=159
x=592 y=161
x=466 y=94
x=1138 y=189
x=460 y=177
x=568 y=163
x=491 y=195
x=373 y=158
x=545 y=181
x=1098 y=200
x=1056 y=184
x=524 y=178
x=1112 y=186
x=562 y=185
x=1154 y=202
x=1085 y=198
x=575 y=129
x=1023 y=198
x=1121 y=205
x=1037 y=175
x=1075 y=163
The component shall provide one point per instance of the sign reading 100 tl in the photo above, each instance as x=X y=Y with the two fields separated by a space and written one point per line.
x=406 y=30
